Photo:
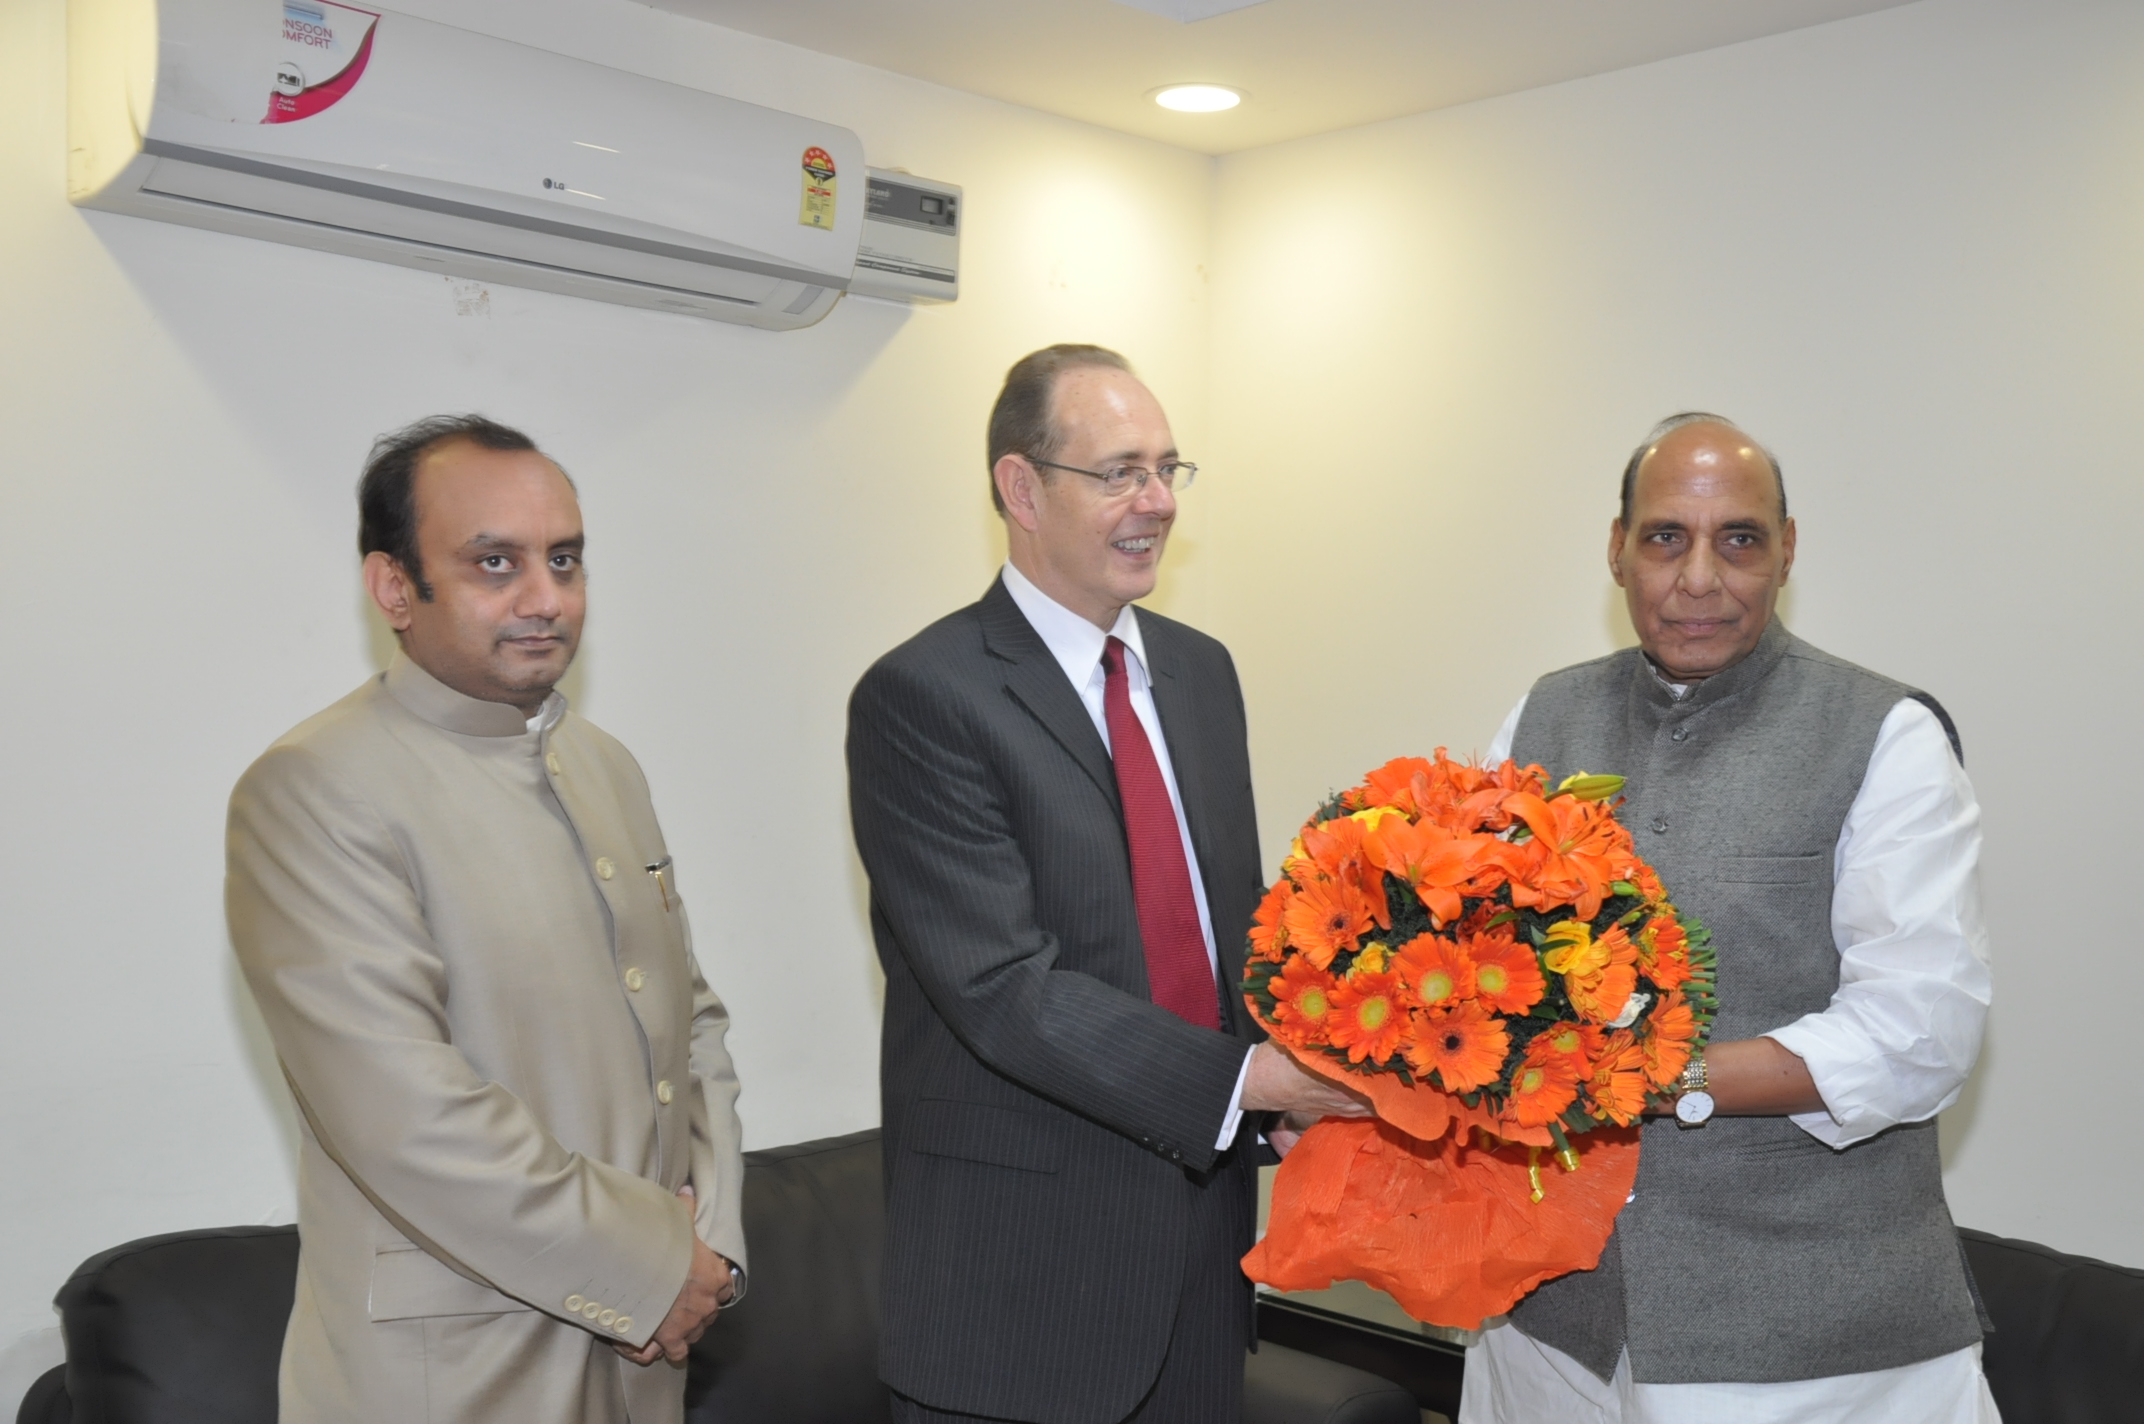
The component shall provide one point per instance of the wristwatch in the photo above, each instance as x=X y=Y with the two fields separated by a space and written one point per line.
x=1693 y=1107
x=736 y=1288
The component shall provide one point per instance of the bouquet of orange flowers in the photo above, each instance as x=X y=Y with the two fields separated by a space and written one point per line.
x=1493 y=964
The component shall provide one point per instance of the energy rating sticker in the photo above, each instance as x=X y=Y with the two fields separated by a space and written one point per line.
x=818 y=209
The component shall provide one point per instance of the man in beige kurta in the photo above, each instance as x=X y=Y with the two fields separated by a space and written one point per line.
x=455 y=908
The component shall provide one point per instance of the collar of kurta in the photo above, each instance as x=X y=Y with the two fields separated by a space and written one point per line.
x=429 y=698
x=1771 y=646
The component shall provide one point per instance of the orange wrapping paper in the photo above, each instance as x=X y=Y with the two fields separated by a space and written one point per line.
x=1447 y=1229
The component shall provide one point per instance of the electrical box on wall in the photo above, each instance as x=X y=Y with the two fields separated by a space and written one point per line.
x=910 y=249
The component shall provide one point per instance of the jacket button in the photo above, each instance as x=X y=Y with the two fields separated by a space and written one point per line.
x=606 y=1317
x=623 y=1325
x=664 y=1092
x=575 y=1302
x=635 y=980
x=591 y=1310
x=604 y=868
x=1678 y=734
x=550 y=761
x=1660 y=825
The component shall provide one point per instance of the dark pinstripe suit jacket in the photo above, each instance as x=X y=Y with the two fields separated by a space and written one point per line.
x=1044 y=1120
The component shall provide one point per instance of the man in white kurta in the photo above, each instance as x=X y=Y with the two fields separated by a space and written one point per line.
x=1701 y=548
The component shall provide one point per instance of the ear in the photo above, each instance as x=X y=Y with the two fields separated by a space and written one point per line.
x=1019 y=484
x=392 y=591
x=1786 y=542
x=1615 y=552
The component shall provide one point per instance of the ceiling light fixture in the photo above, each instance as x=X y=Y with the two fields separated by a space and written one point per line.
x=1197 y=98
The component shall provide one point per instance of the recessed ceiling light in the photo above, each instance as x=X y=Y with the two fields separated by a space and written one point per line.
x=1197 y=98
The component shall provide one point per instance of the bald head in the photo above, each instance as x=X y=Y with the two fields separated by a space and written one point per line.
x=1683 y=421
x=1702 y=545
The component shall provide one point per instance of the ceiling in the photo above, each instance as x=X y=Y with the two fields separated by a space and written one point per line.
x=1304 y=66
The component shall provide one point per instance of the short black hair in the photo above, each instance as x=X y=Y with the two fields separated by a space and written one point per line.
x=387 y=491
x=1020 y=420
x=1676 y=422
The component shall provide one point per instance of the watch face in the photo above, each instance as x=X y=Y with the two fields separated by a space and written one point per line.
x=1693 y=1108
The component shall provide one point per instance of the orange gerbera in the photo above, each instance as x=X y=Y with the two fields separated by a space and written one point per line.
x=1545 y=1085
x=1600 y=990
x=1664 y=952
x=1269 y=935
x=1576 y=854
x=1324 y=917
x=1302 y=1000
x=1429 y=858
x=1463 y=1045
x=1616 y=1090
x=1577 y=1042
x=1669 y=1032
x=1437 y=970
x=1367 y=1017
x=1507 y=976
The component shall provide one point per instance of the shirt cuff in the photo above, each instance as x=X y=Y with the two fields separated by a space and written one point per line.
x=1834 y=1067
x=1234 y=1119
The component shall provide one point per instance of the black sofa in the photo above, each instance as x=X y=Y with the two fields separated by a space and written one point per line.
x=187 y=1328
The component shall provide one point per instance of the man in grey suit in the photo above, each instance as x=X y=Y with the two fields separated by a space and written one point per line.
x=1051 y=793
x=519 y=1177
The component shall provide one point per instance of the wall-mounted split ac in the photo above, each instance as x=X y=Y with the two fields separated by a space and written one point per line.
x=380 y=135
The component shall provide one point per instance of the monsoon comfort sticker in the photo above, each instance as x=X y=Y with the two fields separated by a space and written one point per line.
x=818 y=209
x=325 y=48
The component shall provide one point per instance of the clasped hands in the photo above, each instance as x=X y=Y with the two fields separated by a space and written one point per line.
x=1275 y=1082
x=708 y=1287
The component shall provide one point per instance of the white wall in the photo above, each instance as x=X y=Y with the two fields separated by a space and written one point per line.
x=184 y=417
x=1908 y=251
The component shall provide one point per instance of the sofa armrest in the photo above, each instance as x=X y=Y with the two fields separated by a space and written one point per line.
x=1284 y=1386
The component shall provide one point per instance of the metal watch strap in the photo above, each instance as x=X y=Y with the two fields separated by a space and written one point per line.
x=736 y=1287
x=1695 y=1077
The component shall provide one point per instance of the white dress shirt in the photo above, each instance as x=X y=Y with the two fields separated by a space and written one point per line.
x=1077 y=644
x=1894 y=1045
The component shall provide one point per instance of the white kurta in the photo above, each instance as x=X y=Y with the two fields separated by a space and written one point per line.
x=1895 y=1045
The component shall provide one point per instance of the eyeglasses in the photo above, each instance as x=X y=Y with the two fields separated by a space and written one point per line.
x=1129 y=479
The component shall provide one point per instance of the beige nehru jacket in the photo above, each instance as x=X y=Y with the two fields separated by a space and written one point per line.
x=505 y=1060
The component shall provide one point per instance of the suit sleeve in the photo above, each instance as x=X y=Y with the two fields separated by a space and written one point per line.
x=717 y=1136
x=328 y=926
x=953 y=884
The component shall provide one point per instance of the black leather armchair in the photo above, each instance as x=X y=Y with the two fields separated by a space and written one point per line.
x=188 y=1328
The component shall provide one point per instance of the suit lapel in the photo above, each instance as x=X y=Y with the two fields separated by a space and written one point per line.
x=1038 y=683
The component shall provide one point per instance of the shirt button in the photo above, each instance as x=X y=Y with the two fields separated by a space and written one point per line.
x=575 y=1302
x=623 y=1325
x=604 y=868
x=664 y=1092
x=550 y=761
x=1678 y=734
x=634 y=980
x=1660 y=825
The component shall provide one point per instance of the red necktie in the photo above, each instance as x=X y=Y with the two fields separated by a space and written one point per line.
x=1176 y=966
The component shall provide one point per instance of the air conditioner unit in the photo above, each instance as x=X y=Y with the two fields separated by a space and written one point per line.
x=380 y=135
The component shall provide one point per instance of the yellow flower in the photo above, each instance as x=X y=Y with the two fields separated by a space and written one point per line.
x=1569 y=949
x=1371 y=815
x=1371 y=959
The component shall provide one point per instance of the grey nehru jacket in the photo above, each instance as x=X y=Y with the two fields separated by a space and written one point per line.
x=1751 y=1251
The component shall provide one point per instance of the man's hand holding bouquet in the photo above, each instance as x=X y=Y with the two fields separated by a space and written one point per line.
x=1493 y=965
